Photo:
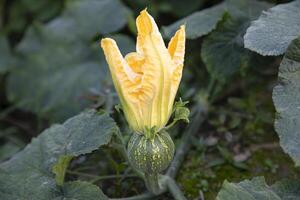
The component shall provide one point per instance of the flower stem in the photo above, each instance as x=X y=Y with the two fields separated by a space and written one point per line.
x=185 y=144
x=210 y=87
x=98 y=178
x=137 y=197
x=152 y=184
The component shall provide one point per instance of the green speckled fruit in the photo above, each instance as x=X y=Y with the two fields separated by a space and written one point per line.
x=151 y=155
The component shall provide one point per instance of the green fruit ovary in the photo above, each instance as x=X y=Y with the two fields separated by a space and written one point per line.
x=151 y=155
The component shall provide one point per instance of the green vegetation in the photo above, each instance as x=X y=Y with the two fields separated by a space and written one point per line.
x=235 y=123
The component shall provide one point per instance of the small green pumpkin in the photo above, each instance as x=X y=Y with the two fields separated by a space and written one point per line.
x=150 y=155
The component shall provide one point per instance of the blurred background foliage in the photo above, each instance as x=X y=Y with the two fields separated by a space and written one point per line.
x=51 y=68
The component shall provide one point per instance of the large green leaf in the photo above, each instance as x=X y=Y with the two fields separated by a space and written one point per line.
x=274 y=30
x=257 y=189
x=183 y=8
x=250 y=9
x=223 y=50
x=31 y=186
x=54 y=76
x=79 y=190
x=5 y=55
x=59 y=67
x=286 y=97
x=287 y=189
x=38 y=10
x=199 y=23
x=8 y=149
x=28 y=174
x=84 y=19
x=203 y=22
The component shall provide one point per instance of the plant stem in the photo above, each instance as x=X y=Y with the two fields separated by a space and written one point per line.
x=168 y=184
x=210 y=86
x=113 y=177
x=137 y=197
x=151 y=181
x=98 y=178
x=175 y=190
x=171 y=124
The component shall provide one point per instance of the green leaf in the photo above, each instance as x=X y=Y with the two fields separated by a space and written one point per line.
x=58 y=70
x=286 y=99
x=199 y=23
x=79 y=190
x=183 y=8
x=14 y=187
x=38 y=10
x=250 y=9
x=182 y=113
x=287 y=189
x=257 y=189
x=28 y=174
x=5 y=55
x=8 y=149
x=274 y=30
x=223 y=51
x=55 y=77
x=203 y=22
x=84 y=19
x=27 y=186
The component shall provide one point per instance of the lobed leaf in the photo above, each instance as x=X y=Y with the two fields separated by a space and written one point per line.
x=183 y=8
x=286 y=98
x=55 y=77
x=8 y=149
x=249 y=9
x=28 y=174
x=39 y=10
x=272 y=33
x=257 y=189
x=203 y=22
x=223 y=50
x=199 y=23
x=84 y=19
x=80 y=190
x=58 y=70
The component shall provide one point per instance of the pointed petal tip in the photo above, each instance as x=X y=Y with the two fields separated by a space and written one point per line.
x=143 y=15
x=180 y=32
x=144 y=11
x=145 y=23
x=107 y=41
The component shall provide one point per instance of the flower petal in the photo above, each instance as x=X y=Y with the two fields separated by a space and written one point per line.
x=115 y=60
x=124 y=79
x=176 y=50
x=136 y=62
x=156 y=81
x=176 y=46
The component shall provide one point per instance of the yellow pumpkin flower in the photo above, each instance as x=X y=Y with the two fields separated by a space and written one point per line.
x=147 y=80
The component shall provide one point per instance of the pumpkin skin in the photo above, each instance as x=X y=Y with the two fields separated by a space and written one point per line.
x=150 y=155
